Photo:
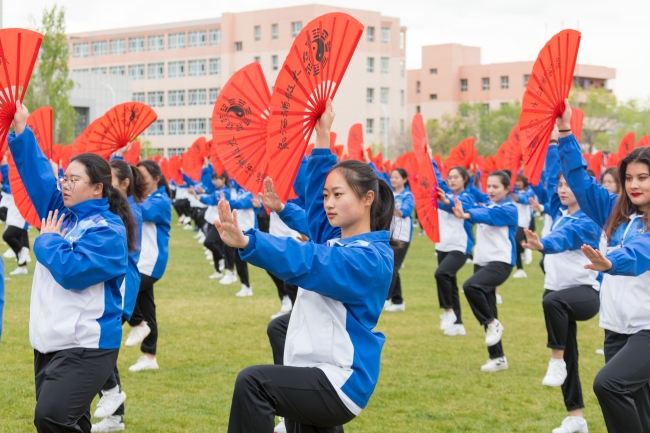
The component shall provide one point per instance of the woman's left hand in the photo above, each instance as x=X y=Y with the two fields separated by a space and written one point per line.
x=52 y=225
x=228 y=227
x=598 y=260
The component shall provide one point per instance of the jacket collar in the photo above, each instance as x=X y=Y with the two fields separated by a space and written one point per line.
x=364 y=238
x=159 y=190
x=89 y=207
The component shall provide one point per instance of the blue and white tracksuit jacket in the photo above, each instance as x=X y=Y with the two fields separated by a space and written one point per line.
x=277 y=226
x=523 y=206
x=131 y=285
x=156 y=223
x=212 y=200
x=343 y=285
x=401 y=228
x=76 y=299
x=624 y=294
x=495 y=234
x=246 y=212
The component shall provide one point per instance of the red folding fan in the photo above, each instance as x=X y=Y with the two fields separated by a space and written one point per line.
x=489 y=166
x=41 y=123
x=425 y=192
x=201 y=146
x=164 y=167
x=18 y=52
x=577 y=117
x=175 y=170
x=419 y=135
x=595 y=162
x=612 y=160
x=56 y=153
x=338 y=151
x=157 y=158
x=217 y=165
x=643 y=141
x=463 y=153
x=410 y=164
x=626 y=146
x=310 y=76
x=355 y=142
x=66 y=154
x=508 y=157
x=21 y=198
x=132 y=156
x=239 y=127
x=118 y=127
x=549 y=85
x=192 y=163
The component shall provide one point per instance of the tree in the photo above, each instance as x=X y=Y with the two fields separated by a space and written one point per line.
x=50 y=83
x=600 y=117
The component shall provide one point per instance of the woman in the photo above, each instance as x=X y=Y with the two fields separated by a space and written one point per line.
x=456 y=243
x=493 y=260
x=327 y=378
x=521 y=197
x=82 y=256
x=156 y=221
x=610 y=180
x=622 y=384
x=402 y=230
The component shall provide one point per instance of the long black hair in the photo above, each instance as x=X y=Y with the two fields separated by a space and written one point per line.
x=223 y=175
x=362 y=179
x=403 y=174
x=154 y=170
x=503 y=176
x=99 y=172
x=463 y=173
x=137 y=185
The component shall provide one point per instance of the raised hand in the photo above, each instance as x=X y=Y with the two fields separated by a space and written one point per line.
x=270 y=198
x=52 y=225
x=458 y=210
x=123 y=150
x=443 y=197
x=20 y=118
x=598 y=260
x=256 y=202
x=564 y=122
x=228 y=227
x=537 y=207
x=532 y=241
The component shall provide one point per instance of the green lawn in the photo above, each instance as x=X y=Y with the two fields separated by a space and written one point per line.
x=428 y=383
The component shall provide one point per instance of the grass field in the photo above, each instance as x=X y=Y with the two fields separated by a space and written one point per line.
x=428 y=383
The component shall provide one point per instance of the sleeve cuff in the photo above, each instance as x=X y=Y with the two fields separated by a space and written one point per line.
x=251 y=244
x=567 y=139
x=321 y=152
x=612 y=258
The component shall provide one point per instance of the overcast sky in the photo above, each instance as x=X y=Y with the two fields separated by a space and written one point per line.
x=614 y=33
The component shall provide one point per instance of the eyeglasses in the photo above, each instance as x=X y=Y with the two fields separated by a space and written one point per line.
x=70 y=183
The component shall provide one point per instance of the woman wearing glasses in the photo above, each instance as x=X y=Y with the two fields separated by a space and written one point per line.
x=76 y=306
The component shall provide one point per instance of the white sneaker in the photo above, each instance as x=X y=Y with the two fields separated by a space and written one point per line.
x=112 y=423
x=229 y=278
x=9 y=254
x=497 y=364
x=23 y=256
x=245 y=291
x=110 y=401
x=448 y=319
x=528 y=256
x=455 y=329
x=572 y=424
x=386 y=304
x=499 y=300
x=600 y=351
x=137 y=335
x=201 y=239
x=469 y=261
x=222 y=265
x=144 y=363
x=520 y=274
x=393 y=308
x=198 y=235
x=287 y=306
x=556 y=373
x=493 y=333
x=20 y=270
x=280 y=428
x=216 y=275
x=188 y=219
x=187 y=227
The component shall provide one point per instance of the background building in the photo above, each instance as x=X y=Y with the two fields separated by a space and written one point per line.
x=452 y=74
x=179 y=68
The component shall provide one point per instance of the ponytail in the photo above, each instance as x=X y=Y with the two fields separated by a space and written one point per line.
x=120 y=207
x=137 y=185
x=154 y=170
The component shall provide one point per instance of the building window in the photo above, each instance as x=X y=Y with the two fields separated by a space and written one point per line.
x=215 y=37
x=156 y=43
x=83 y=114
x=239 y=46
x=196 y=68
x=385 y=35
x=433 y=71
x=80 y=49
x=402 y=68
x=176 y=127
x=118 y=46
x=99 y=48
x=257 y=59
x=463 y=84
x=138 y=97
x=176 y=69
x=296 y=26
x=215 y=66
x=417 y=109
x=370 y=126
x=486 y=108
x=196 y=126
x=258 y=33
x=383 y=125
x=402 y=40
x=117 y=70
x=401 y=126
x=136 y=72
x=384 y=95
x=433 y=96
x=198 y=39
x=401 y=98
x=80 y=70
x=504 y=82
x=156 y=99
x=418 y=87
x=214 y=94
x=176 y=151
x=486 y=84
x=370 y=95
x=371 y=34
x=526 y=78
x=156 y=70
x=176 y=40
x=196 y=97
x=176 y=98
x=385 y=65
x=136 y=45
x=156 y=128
x=100 y=71
x=275 y=32
x=274 y=63
x=370 y=64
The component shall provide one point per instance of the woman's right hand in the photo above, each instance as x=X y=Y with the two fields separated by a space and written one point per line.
x=537 y=207
x=443 y=197
x=270 y=199
x=599 y=262
x=532 y=241
x=20 y=118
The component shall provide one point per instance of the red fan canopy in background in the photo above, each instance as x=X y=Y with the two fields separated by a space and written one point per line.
x=425 y=192
x=489 y=166
x=66 y=154
x=175 y=169
x=79 y=144
x=192 y=163
x=164 y=167
x=388 y=167
x=201 y=146
x=239 y=127
x=464 y=153
x=549 y=85
x=41 y=122
x=118 y=127
x=132 y=156
x=643 y=141
x=612 y=160
x=355 y=142
x=419 y=135
x=626 y=146
x=157 y=158
x=508 y=157
x=310 y=76
x=577 y=118
x=409 y=162
x=18 y=52
x=56 y=153
x=595 y=162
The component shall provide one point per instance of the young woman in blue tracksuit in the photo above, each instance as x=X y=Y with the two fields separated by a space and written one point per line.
x=622 y=385
x=402 y=231
x=156 y=221
x=571 y=291
x=332 y=355
x=455 y=246
x=76 y=307
x=494 y=257
x=521 y=198
x=128 y=180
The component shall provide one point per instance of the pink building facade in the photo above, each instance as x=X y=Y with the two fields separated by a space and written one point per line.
x=179 y=68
